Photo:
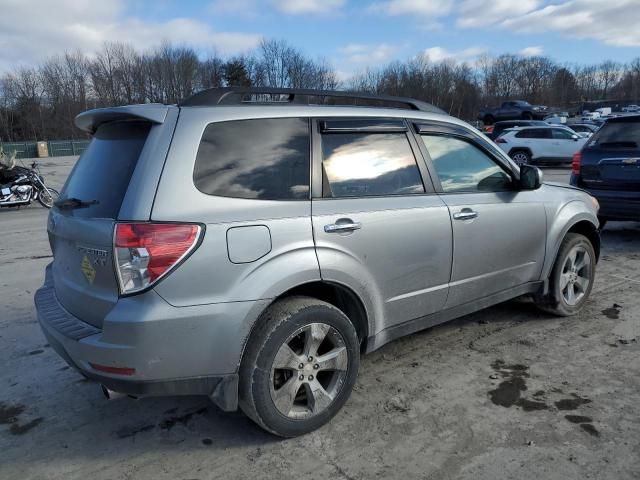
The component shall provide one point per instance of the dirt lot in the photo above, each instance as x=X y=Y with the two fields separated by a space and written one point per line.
x=505 y=393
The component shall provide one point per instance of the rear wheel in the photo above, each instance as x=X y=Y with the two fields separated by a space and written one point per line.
x=521 y=157
x=299 y=367
x=572 y=277
x=47 y=196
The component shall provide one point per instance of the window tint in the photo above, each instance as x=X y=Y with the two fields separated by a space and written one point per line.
x=266 y=159
x=462 y=167
x=105 y=168
x=618 y=135
x=534 y=133
x=561 y=134
x=365 y=164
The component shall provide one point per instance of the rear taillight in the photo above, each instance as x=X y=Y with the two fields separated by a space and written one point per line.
x=575 y=163
x=500 y=140
x=145 y=252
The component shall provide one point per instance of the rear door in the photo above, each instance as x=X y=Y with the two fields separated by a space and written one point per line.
x=611 y=157
x=499 y=232
x=81 y=236
x=564 y=145
x=376 y=220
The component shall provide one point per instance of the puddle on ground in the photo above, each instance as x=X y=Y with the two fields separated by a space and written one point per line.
x=571 y=403
x=509 y=391
x=9 y=416
x=612 y=312
x=578 y=419
x=590 y=429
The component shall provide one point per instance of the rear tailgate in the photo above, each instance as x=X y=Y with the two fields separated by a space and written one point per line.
x=81 y=236
x=611 y=158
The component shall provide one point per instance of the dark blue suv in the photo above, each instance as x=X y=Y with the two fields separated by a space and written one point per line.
x=608 y=167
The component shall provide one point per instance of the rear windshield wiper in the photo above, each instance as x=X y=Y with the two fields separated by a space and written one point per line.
x=71 y=203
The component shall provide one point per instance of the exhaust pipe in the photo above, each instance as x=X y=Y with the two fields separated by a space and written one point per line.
x=110 y=394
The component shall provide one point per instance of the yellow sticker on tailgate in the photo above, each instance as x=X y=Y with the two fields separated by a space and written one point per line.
x=88 y=270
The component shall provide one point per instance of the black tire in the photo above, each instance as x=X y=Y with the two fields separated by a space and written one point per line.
x=521 y=157
x=527 y=116
x=488 y=120
x=46 y=198
x=555 y=301
x=276 y=326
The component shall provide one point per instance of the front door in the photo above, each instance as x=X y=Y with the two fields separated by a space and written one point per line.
x=498 y=231
x=378 y=227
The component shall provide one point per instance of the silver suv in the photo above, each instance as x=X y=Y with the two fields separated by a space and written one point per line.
x=251 y=244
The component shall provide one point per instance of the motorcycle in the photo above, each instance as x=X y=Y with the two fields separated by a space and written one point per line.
x=24 y=186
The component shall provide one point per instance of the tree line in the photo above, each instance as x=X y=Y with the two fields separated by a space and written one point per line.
x=40 y=102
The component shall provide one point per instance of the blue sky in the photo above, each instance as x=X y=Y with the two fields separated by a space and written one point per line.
x=350 y=34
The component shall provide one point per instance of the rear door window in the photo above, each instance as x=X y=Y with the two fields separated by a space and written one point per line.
x=369 y=164
x=265 y=159
x=103 y=171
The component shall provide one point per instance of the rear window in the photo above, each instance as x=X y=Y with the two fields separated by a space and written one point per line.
x=265 y=159
x=103 y=171
x=617 y=135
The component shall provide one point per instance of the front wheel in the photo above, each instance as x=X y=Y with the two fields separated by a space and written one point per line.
x=300 y=366
x=572 y=277
x=47 y=196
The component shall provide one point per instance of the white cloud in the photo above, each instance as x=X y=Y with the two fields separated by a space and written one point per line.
x=298 y=7
x=531 y=51
x=614 y=22
x=86 y=25
x=439 y=54
x=479 y=13
x=359 y=54
x=423 y=8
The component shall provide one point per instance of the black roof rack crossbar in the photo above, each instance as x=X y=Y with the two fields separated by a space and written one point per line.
x=279 y=96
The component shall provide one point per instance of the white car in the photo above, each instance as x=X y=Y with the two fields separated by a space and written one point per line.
x=631 y=108
x=552 y=144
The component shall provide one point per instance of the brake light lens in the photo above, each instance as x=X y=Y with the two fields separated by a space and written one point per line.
x=145 y=252
x=576 y=162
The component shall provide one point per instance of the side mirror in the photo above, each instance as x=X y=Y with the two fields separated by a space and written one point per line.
x=575 y=137
x=530 y=177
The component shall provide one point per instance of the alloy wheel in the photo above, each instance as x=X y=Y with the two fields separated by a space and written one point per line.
x=308 y=371
x=576 y=275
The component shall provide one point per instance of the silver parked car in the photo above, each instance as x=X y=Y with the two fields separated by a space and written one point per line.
x=251 y=244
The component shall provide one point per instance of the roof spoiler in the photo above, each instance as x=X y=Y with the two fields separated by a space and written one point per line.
x=90 y=120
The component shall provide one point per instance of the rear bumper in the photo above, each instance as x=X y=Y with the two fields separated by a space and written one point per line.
x=174 y=351
x=615 y=204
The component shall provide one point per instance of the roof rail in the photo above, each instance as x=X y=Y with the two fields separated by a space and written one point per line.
x=279 y=96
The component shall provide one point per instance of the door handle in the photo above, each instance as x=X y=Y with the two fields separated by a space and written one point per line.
x=343 y=225
x=465 y=214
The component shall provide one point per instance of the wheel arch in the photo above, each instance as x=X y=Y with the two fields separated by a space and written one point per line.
x=336 y=294
x=571 y=219
x=521 y=149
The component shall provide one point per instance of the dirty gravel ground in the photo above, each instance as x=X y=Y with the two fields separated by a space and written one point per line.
x=505 y=393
